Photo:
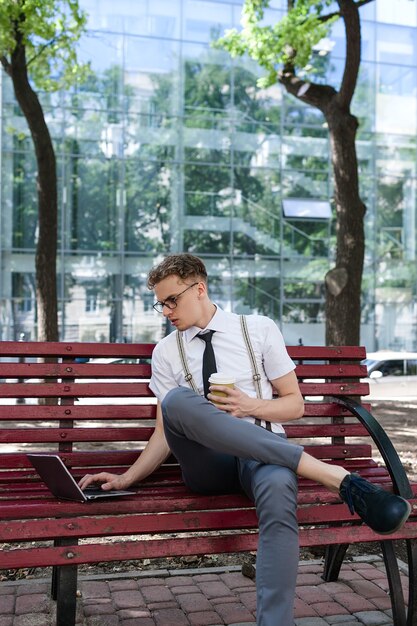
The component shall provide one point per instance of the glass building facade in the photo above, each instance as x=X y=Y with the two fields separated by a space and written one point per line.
x=170 y=146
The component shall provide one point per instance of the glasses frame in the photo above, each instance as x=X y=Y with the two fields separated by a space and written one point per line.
x=159 y=305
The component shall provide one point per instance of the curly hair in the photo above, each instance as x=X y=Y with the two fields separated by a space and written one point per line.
x=182 y=265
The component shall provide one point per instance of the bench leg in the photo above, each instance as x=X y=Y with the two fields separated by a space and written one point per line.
x=64 y=589
x=333 y=560
x=412 y=579
x=394 y=581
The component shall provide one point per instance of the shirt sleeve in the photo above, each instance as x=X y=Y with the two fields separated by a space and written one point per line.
x=162 y=378
x=276 y=359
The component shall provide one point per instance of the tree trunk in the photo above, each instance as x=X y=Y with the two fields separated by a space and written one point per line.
x=46 y=248
x=343 y=282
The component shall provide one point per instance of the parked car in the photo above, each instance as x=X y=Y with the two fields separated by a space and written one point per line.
x=392 y=375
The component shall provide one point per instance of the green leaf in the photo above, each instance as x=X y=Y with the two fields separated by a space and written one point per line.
x=289 y=41
x=48 y=30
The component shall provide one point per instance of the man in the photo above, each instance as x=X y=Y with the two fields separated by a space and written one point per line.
x=242 y=444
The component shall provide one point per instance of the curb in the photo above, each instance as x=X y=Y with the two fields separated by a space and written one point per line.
x=164 y=573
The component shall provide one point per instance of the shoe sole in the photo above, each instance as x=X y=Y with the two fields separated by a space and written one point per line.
x=400 y=524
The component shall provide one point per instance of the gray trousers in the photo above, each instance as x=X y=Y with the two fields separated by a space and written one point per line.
x=219 y=453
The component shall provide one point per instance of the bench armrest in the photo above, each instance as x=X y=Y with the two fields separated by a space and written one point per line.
x=384 y=444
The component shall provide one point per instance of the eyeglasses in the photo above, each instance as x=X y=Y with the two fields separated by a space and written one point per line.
x=171 y=302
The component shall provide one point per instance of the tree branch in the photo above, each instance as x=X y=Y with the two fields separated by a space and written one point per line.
x=41 y=49
x=319 y=96
x=350 y=14
x=6 y=65
x=329 y=16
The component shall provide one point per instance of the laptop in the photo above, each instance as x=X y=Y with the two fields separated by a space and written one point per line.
x=61 y=484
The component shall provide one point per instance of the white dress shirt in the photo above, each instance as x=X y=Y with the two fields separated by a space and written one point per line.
x=232 y=357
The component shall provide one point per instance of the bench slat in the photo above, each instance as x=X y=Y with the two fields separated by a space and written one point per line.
x=152 y=548
x=154 y=523
x=77 y=412
x=336 y=370
x=75 y=349
x=54 y=435
x=74 y=370
x=131 y=370
x=75 y=390
x=143 y=433
x=303 y=431
x=95 y=458
x=154 y=498
x=334 y=389
x=327 y=352
x=129 y=390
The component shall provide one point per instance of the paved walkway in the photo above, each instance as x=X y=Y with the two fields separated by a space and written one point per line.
x=206 y=597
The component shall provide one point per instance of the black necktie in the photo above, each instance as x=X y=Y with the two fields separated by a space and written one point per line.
x=209 y=360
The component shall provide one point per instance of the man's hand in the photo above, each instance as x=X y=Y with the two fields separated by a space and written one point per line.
x=235 y=402
x=108 y=481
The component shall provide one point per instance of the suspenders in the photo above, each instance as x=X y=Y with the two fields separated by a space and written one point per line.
x=188 y=376
x=255 y=372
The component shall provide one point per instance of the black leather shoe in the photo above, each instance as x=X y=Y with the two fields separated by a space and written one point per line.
x=382 y=511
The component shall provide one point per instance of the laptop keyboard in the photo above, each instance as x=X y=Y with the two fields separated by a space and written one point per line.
x=92 y=491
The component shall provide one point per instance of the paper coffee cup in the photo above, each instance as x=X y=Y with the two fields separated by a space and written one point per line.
x=218 y=378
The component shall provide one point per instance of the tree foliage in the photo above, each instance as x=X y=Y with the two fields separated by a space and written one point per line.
x=290 y=40
x=48 y=30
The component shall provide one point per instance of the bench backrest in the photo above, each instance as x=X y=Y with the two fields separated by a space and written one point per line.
x=99 y=413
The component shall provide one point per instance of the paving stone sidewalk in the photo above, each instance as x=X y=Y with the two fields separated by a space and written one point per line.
x=206 y=597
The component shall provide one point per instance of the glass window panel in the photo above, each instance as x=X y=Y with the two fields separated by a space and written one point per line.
x=158 y=17
x=252 y=104
x=364 y=98
x=305 y=152
x=205 y=21
x=396 y=45
x=395 y=220
x=367 y=37
x=396 y=99
x=149 y=187
x=367 y=12
x=93 y=307
x=307 y=239
x=101 y=49
x=257 y=205
x=160 y=100
x=207 y=191
x=207 y=154
x=231 y=2
x=396 y=156
x=207 y=88
x=297 y=115
x=22 y=311
x=258 y=293
x=25 y=197
x=397 y=80
x=207 y=241
x=398 y=12
x=296 y=184
x=144 y=54
x=140 y=321
x=94 y=195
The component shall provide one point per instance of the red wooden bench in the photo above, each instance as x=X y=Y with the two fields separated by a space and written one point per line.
x=92 y=409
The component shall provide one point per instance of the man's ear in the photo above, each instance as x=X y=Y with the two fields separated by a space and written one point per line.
x=202 y=288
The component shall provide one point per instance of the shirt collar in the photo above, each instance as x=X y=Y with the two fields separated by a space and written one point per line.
x=218 y=323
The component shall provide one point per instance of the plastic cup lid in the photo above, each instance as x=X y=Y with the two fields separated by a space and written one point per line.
x=218 y=378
